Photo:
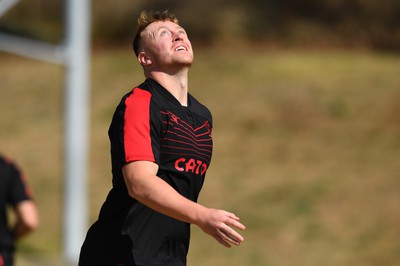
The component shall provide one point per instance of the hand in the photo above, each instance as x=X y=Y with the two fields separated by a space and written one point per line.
x=219 y=223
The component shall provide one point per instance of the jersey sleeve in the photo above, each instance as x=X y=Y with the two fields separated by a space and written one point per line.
x=18 y=190
x=140 y=128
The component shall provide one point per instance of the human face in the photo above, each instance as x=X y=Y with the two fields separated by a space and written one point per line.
x=166 y=44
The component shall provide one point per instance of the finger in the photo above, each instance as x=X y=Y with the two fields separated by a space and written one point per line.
x=235 y=236
x=236 y=224
x=222 y=241
x=228 y=240
x=231 y=239
x=233 y=216
x=231 y=236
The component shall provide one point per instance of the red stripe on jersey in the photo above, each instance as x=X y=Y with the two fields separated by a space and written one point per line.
x=137 y=139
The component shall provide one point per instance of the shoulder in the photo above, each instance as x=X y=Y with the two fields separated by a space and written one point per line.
x=143 y=92
x=7 y=166
x=139 y=104
x=138 y=96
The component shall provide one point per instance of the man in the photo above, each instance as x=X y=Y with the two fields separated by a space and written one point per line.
x=161 y=147
x=15 y=193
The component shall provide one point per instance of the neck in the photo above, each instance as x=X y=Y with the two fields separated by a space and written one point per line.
x=176 y=83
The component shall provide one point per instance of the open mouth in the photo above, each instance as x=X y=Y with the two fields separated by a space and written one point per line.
x=180 y=48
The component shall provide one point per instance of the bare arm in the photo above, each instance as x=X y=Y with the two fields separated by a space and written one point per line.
x=143 y=185
x=27 y=218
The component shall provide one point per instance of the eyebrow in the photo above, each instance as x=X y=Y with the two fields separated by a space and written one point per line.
x=167 y=28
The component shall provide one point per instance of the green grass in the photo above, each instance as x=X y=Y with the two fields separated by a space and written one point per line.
x=307 y=151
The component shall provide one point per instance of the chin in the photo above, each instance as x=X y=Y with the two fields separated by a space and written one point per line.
x=186 y=63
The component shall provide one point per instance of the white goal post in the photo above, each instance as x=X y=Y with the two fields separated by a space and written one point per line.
x=74 y=54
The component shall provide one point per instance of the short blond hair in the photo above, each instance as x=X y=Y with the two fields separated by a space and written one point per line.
x=145 y=19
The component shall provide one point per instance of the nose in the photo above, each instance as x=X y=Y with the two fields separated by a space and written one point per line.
x=177 y=37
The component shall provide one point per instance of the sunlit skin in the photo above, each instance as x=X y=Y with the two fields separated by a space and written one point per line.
x=167 y=48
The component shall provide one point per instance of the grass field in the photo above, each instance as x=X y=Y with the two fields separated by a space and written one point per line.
x=307 y=151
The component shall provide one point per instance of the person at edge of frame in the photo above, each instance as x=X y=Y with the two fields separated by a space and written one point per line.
x=14 y=193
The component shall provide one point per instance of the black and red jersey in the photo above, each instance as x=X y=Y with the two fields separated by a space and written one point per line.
x=13 y=190
x=150 y=124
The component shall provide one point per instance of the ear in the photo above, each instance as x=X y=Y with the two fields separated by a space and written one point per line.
x=144 y=59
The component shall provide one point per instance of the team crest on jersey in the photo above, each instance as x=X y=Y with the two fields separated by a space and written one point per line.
x=174 y=118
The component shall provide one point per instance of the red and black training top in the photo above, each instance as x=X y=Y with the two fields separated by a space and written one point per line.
x=13 y=190
x=150 y=124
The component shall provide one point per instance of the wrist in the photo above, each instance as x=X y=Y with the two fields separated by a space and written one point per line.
x=199 y=215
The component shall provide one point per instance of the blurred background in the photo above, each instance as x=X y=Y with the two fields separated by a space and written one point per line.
x=305 y=97
x=371 y=24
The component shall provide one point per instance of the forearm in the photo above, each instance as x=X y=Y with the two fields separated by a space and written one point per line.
x=143 y=185
x=158 y=195
x=217 y=223
x=27 y=219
